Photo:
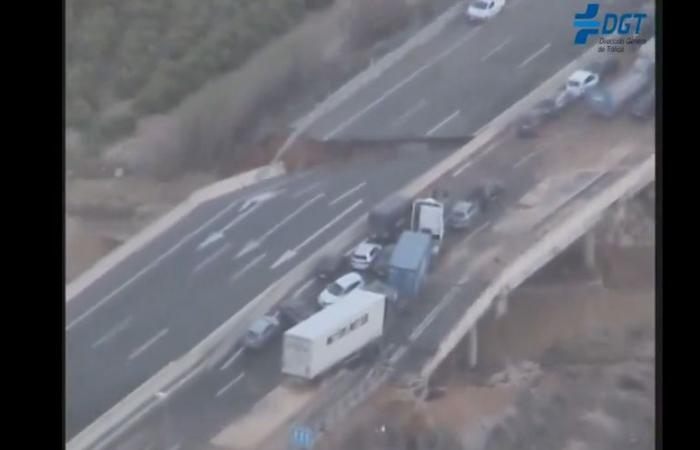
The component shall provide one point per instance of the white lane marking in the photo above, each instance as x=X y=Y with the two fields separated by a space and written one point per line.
x=303 y=287
x=289 y=254
x=228 y=386
x=242 y=216
x=441 y=124
x=401 y=84
x=478 y=230
x=307 y=189
x=411 y=111
x=525 y=158
x=154 y=263
x=433 y=314
x=329 y=224
x=247 y=267
x=474 y=158
x=350 y=192
x=148 y=343
x=399 y=353
x=210 y=239
x=121 y=326
x=211 y=258
x=252 y=245
x=232 y=359
x=495 y=50
x=534 y=55
x=286 y=256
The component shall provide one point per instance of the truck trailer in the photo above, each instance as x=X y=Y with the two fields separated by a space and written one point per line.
x=333 y=335
x=428 y=216
x=388 y=217
x=409 y=264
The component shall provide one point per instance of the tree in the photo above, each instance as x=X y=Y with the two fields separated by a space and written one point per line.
x=79 y=112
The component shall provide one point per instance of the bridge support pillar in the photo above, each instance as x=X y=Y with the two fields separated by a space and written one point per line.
x=473 y=347
x=501 y=305
x=589 y=247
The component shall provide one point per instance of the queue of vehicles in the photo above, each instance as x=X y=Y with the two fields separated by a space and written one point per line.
x=635 y=88
x=380 y=277
x=388 y=271
x=389 y=268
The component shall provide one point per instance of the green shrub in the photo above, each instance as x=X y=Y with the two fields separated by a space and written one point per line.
x=118 y=125
x=79 y=112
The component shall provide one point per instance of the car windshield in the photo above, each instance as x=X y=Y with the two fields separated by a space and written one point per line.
x=252 y=335
x=573 y=83
x=335 y=289
x=480 y=5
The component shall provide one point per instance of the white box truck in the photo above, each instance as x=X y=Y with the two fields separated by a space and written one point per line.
x=333 y=334
x=428 y=216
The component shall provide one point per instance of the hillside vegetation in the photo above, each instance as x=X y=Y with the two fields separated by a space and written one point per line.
x=128 y=58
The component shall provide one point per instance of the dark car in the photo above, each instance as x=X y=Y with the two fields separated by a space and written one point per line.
x=491 y=193
x=529 y=123
x=380 y=266
x=329 y=267
x=605 y=67
x=296 y=310
x=486 y=195
x=643 y=108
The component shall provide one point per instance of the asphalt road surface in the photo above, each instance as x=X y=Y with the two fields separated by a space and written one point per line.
x=176 y=303
x=203 y=409
x=165 y=299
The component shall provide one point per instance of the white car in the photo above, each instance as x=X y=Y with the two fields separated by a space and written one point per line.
x=340 y=288
x=484 y=9
x=581 y=82
x=364 y=255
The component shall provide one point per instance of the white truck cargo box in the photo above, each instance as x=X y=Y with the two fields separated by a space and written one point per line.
x=333 y=334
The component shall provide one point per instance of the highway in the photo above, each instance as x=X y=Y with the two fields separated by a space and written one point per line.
x=163 y=300
x=230 y=389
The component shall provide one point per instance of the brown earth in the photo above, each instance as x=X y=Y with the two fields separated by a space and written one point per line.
x=593 y=349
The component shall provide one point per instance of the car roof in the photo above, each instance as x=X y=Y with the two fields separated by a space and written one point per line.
x=260 y=325
x=348 y=279
x=580 y=75
x=463 y=205
x=365 y=247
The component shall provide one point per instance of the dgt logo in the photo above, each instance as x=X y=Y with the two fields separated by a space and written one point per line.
x=620 y=23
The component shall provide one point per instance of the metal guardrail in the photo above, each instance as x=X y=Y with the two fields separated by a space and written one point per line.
x=543 y=251
x=513 y=275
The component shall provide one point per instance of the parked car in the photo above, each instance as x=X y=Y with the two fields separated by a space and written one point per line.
x=296 y=310
x=329 y=267
x=262 y=331
x=581 y=82
x=379 y=287
x=529 y=123
x=340 y=288
x=643 y=108
x=604 y=67
x=380 y=265
x=481 y=10
x=462 y=214
x=364 y=254
x=487 y=195
x=551 y=107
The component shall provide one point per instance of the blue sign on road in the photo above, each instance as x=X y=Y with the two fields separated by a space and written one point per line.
x=303 y=437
